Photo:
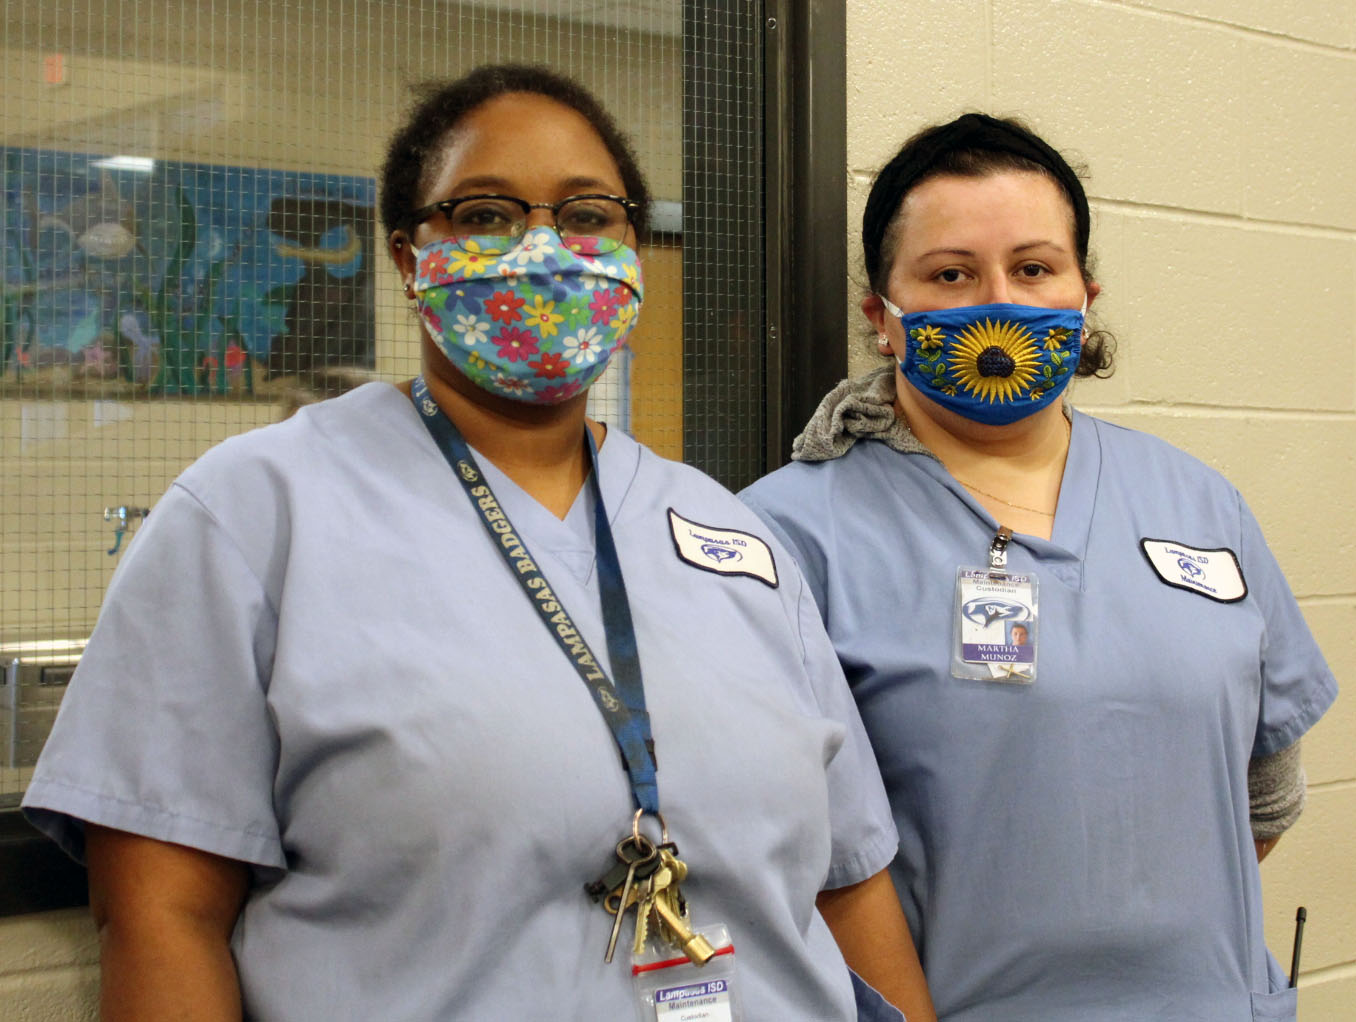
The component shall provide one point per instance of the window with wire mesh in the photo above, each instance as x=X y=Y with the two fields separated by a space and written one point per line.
x=191 y=250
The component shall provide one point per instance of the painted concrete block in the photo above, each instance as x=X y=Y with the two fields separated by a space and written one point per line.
x=1317 y=21
x=1312 y=866
x=1330 y=748
x=47 y=940
x=1300 y=141
x=71 y=995
x=910 y=65
x=1237 y=316
x=1143 y=98
x=1327 y=998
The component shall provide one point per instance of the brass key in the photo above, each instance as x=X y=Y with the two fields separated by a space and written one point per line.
x=668 y=905
x=654 y=886
x=697 y=948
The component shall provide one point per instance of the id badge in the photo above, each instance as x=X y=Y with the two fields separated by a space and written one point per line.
x=995 y=632
x=669 y=988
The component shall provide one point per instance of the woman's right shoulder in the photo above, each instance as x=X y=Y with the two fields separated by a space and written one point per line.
x=362 y=432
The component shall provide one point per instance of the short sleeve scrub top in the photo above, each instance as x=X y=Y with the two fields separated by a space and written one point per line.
x=1076 y=849
x=312 y=659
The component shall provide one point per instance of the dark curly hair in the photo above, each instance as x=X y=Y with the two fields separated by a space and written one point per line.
x=976 y=145
x=414 y=149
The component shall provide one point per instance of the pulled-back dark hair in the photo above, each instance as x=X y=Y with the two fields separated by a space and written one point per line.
x=975 y=145
x=413 y=150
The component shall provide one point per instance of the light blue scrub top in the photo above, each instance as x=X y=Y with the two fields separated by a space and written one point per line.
x=312 y=659
x=1077 y=849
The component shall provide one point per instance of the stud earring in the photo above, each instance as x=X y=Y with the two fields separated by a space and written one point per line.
x=882 y=344
x=409 y=291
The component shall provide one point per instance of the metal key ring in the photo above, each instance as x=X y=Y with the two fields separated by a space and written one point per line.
x=663 y=827
x=647 y=849
x=648 y=852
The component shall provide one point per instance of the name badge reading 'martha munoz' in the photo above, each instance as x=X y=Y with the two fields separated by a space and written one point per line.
x=995 y=626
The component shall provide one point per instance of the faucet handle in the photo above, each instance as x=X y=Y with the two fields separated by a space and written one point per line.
x=123 y=512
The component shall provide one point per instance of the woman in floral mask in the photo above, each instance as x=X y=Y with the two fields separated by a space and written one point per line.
x=328 y=753
x=1082 y=672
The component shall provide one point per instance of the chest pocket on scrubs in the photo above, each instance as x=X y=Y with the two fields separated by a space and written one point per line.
x=1280 y=1006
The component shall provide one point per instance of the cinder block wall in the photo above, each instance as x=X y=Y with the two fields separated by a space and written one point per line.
x=1220 y=136
x=49 y=968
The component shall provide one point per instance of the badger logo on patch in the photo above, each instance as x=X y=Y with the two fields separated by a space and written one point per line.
x=723 y=551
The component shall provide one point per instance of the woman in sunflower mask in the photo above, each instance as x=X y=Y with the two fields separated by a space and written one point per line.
x=1081 y=669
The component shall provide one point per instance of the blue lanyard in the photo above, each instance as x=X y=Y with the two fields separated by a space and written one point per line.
x=622 y=704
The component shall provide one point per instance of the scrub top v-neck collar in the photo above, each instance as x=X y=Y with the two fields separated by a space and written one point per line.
x=1062 y=555
x=569 y=540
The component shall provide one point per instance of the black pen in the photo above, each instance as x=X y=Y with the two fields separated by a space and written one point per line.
x=1300 y=916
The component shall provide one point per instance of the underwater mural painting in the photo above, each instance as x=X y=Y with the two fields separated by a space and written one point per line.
x=130 y=275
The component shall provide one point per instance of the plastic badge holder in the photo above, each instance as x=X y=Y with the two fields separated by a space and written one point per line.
x=669 y=988
x=996 y=616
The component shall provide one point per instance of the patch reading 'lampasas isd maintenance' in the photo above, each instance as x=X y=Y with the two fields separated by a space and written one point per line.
x=1215 y=574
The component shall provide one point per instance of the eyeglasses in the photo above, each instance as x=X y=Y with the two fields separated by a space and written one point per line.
x=494 y=224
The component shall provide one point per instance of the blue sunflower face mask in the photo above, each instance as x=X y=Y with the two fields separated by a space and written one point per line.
x=993 y=364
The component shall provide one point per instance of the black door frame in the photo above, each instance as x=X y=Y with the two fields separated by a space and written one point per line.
x=765 y=227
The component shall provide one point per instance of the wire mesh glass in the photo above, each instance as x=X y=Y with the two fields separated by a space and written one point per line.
x=191 y=251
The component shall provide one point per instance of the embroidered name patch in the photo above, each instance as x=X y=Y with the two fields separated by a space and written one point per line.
x=1212 y=573
x=724 y=551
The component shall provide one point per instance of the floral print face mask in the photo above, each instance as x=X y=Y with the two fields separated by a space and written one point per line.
x=537 y=323
x=994 y=363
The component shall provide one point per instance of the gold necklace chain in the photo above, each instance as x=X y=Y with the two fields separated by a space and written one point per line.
x=994 y=496
x=1068 y=427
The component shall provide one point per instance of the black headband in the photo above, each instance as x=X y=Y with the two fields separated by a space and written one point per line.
x=928 y=153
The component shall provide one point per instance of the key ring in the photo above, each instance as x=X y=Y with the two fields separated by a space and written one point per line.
x=646 y=854
x=663 y=827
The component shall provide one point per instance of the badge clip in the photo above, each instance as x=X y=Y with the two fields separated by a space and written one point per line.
x=998 y=552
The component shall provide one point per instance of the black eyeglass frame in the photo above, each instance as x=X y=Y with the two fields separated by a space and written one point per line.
x=446 y=207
